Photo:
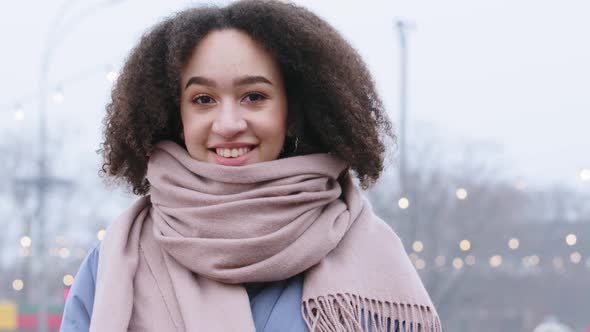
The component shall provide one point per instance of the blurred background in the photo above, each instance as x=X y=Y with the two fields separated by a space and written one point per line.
x=488 y=186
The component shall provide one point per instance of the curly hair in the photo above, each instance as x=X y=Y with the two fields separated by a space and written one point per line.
x=332 y=102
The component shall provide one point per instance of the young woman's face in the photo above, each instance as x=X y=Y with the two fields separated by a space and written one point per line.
x=233 y=102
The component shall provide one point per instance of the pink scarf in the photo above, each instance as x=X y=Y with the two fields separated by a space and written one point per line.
x=212 y=228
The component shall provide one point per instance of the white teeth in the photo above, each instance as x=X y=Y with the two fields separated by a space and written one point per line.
x=232 y=152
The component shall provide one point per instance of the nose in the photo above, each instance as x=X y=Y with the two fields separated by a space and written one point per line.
x=229 y=122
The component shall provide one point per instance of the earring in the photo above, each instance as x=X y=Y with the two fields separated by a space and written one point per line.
x=295 y=140
x=296 y=143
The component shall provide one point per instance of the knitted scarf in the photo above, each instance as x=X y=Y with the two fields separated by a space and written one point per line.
x=220 y=226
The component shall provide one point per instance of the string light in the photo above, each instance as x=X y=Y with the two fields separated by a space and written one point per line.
x=461 y=193
x=465 y=245
x=585 y=174
x=74 y=78
x=403 y=203
x=513 y=243
x=100 y=235
x=420 y=264
x=18 y=285
x=418 y=246
x=575 y=257
x=25 y=242
x=571 y=239
x=68 y=280
x=530 y=260
x=470 y=260
x=495 y=261
x=457 y=263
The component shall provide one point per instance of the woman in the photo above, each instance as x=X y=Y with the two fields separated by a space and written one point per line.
x=239 y=126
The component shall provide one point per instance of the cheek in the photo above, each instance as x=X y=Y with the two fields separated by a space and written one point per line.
x=193 y=129
x=280 y=118
x=275 y=130
x=275 y=126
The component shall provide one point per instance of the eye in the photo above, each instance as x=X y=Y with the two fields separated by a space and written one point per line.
x=203 y=100
x=254 y=97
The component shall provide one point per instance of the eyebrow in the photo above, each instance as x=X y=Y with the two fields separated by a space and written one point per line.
x=244 y=80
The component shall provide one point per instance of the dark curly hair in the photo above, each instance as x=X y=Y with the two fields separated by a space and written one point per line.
x=332 y=103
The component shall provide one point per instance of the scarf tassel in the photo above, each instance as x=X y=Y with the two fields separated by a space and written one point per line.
x=347 y=313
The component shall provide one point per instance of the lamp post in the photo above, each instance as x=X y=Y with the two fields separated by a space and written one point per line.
x=44 y=181
x=402 y=28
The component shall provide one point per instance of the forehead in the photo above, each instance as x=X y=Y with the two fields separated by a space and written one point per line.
x=228 y=53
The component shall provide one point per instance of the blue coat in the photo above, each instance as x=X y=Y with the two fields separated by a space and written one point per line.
x=275 y=308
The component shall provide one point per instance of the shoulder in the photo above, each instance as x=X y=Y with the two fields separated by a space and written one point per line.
x=80 y=300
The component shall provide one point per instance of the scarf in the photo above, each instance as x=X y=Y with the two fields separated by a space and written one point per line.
x=216 y=227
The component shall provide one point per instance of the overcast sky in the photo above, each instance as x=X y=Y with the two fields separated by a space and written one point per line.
x=515 y=74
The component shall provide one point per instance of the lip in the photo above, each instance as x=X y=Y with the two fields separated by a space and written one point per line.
x=232 y=145
x=237 y=161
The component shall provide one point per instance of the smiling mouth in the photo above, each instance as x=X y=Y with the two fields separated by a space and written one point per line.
x=232 y=153
x=234 y=156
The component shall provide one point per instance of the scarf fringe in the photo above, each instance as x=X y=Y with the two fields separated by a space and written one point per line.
x=352 y=313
